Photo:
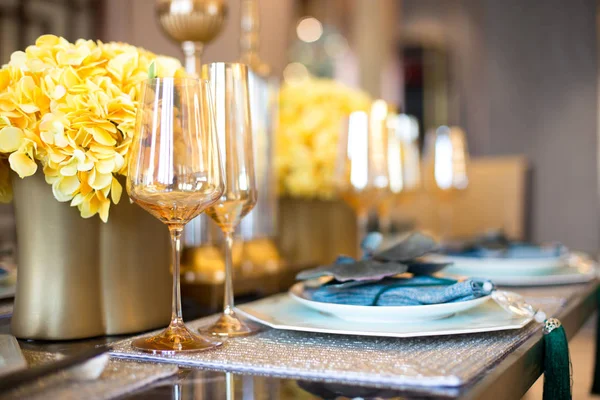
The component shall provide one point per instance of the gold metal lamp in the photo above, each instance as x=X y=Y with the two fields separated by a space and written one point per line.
x=193 y=24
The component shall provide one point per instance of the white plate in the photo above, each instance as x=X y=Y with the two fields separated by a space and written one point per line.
x=281 y=312
x=562 y=276
x=384 y=313
x=493 y=268
x=577 y=268
x=9 y=278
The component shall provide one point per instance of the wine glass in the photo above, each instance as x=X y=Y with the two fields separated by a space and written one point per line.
x=445 y=171
x=404 y=163
x=229 y=89
x=361 y=174
x=175 y=174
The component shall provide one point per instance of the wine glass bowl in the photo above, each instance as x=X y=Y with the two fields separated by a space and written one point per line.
x=175 y=174
x=362 y=172
x=446 y=161
x=404 y=158
x=445 y=170
x=404 y=165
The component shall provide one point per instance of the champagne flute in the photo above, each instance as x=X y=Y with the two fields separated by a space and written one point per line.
x=175 y=174
x=362 y=174
x=404 y=164
x=229 y=88
x=445 y=168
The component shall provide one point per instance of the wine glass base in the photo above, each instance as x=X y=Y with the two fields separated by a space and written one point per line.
x=177 y=338
x=232 y=325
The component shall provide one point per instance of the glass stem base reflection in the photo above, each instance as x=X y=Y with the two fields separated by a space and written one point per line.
x=231 y=324
x=177 y=338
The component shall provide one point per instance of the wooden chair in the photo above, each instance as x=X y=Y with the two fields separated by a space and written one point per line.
x=315 y=232
x=495 y=199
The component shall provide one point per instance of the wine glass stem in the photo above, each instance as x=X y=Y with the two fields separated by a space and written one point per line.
x=385 y=222
x=362 y=220
x=228 y=299
x=176 y=315
x=229 y=388
x=446 y=219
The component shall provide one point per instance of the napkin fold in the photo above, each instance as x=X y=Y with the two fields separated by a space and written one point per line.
x=419 y=290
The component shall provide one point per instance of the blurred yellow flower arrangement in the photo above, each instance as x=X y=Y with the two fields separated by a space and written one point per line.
x=310 y=117
x=70 y=108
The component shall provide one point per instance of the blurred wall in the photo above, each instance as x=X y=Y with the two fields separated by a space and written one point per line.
x=524 y=81
x=133 y=21
x=542 y=72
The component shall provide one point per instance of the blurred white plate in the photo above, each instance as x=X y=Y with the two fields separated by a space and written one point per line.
x=7 y=292
x=493 y=268
x=383 y=313
x=9 y=275
x=576 y=268
x=282 y=312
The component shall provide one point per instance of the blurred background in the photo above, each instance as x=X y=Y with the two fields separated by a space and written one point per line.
x=519 y=78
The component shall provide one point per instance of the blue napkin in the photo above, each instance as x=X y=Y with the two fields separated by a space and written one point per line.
x=419 y=290
x=513 y=250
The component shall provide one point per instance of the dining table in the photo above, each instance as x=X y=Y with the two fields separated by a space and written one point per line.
x=509 y=378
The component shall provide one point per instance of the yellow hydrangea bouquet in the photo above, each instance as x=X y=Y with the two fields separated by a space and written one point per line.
x=70 y=107
x=310 y=118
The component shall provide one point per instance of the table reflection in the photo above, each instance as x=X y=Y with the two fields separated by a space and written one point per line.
x=208 y=385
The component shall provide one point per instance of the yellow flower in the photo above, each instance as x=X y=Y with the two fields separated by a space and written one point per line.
x=10 y=139
x=22 y=164
x=309 y=122
x=70 y=107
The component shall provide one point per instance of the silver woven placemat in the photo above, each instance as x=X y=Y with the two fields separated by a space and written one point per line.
x=118 y=378
x=448 y=361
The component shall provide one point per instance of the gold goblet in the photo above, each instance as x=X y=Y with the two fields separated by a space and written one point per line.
x=193 y=23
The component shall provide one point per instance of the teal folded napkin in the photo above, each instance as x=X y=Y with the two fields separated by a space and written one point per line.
x=497 y=245
x=414 y=291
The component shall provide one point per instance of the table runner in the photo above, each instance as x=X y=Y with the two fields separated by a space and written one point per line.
x=118 y=378
x=444 y=361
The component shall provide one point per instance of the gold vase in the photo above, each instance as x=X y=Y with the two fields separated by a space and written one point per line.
x=80 y=278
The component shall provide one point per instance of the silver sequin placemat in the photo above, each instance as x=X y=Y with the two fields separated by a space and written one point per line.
x=445 y=361
x=118 y=378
